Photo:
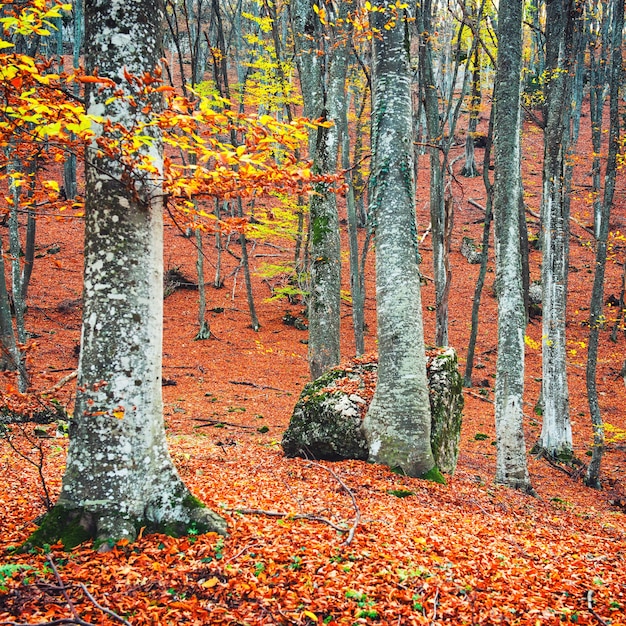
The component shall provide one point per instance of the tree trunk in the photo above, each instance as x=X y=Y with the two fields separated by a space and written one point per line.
x=480 y=281
x=119 y=475
x=428 y=87
x=597 y=298
x=397 y=424
x=204 y=331
x=511 y=468
x=470 y=169
x=556 y=432
x=322 y=75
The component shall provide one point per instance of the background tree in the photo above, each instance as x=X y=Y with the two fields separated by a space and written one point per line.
x=596 y=318
x=511 y=467
x=322 y=68
x=556 y=432
x=119 y=475
x=397 y=424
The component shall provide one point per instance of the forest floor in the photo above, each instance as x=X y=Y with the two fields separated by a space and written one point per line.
x=468 y=552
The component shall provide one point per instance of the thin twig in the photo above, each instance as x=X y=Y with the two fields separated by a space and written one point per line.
x=54 y=622
x=63 y=381
x=478 y=206
x=68 y=600
x=436 y=603
x=282 y=514
x=249 y=384
x=478 y=396
x=209 y=422
x=591 y=610
x=357 y=512
x=110 y=613
x=249 y=545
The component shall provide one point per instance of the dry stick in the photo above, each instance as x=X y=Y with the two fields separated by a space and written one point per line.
x=54 y=622
x=210 y=422
x=478 y=206
x=69 y=602
x=62 y=382
x=306 y=516
x=249 y=545
x=436 y=603
x=103 y=608
x=47 y=501
x=591 y=610
x=357 y=512
x=478 y=396
x=316 y=518
x=249 y=384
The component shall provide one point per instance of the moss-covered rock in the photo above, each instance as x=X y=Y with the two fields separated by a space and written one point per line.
x=446 y=406
x=327 y=420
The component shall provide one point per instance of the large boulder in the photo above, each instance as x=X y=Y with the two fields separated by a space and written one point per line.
x=327 y=420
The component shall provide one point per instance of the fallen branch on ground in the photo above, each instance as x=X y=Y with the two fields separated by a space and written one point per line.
x=249 y=384
x=209 y=422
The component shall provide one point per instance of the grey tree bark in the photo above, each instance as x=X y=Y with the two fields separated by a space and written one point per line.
x=469 y=168
x=119 y=475
x=397 y=424
x=511 y=467
x=597 y=297
x=428 y=89
x=480 y=281
x=323 y=86
x=556 y=431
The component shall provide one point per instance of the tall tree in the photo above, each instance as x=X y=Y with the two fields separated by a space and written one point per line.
x=511 y=467
x=119 y=475
x=397 y=424
x=597 y=296
x=322 y=68
x=556 y=432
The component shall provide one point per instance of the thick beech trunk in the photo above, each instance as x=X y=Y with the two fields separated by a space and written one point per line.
x=556 y=432
x=511 y=468
x=119 y=475
x=397 y=424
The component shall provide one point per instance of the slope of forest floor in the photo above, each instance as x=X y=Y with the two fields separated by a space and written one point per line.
x=357 y=543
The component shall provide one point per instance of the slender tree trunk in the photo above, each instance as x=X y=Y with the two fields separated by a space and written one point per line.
x=69 y=167
x=397 y=424
x=15 y=249
x=356 y=281
x=204 y=332
x=597 y=297
x=243 y=242
x=428 y=87
x=323 y=85
x=10 y=358
x=119 y=475
x=471 y=346
x=511 y=467
x=470 y=169
x=325 y=296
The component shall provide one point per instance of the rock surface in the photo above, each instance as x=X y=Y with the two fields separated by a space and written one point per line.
x=326 y=422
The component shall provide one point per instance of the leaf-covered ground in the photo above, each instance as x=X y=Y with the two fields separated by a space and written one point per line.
x=356 y=543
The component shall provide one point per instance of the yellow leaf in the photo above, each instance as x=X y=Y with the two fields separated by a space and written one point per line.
x=310 y=615
x=207 y=584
